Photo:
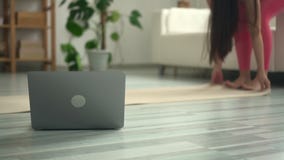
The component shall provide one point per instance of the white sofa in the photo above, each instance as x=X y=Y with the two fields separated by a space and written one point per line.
x=180 y=40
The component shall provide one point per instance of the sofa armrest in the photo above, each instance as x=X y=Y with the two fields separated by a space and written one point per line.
x=160 y=21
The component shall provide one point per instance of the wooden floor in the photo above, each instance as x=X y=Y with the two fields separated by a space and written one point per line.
x=226 y=129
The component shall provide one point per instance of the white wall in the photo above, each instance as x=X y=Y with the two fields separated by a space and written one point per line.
x=198 y=3
x=203 y=4
x=135 y=44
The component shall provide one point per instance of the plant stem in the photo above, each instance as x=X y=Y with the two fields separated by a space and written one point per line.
x=103 y=23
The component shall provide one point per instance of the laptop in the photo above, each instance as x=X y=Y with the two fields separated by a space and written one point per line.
x=77 y=100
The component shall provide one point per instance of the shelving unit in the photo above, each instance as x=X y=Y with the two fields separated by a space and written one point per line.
x=10 y=35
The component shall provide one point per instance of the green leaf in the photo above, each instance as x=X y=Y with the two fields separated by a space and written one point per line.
x=64 y=47
x=73 y=67
x=72 y=5
x=72 y=57
x=114 y=17
x=109 y=58
x=74 y=28
x=73 y=15
x=102 y=5
x=62 y=2
x=135 y=22
x=82 y=3
x=78 y=4
x=78 y=62
x=68 y=48
x=80 y=10
x=134 y=19
x=92 y=44
x=115 y=36
x=136 y=13
x=88 y=13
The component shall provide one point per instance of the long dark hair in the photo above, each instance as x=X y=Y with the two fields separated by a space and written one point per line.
x=222 y=25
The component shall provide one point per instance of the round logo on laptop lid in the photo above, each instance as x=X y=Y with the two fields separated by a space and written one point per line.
x=78 y=101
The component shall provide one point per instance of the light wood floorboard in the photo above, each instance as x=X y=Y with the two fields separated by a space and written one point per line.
x=226 y=129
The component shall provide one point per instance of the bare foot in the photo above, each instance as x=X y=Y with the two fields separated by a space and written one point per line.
x=238 y=82
x=253 y=85
x=260 y=83
x=217 y=76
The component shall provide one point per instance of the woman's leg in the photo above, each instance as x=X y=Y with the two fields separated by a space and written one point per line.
x=243 y=46
x=269 y=9
x=267 y=41
x=217 y=74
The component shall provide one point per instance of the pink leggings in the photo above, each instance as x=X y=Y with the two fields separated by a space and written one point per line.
x=269 y=9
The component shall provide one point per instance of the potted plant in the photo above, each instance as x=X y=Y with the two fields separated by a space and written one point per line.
x=85 y=16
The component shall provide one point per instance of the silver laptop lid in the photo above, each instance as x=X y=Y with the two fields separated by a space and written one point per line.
x=77 y=100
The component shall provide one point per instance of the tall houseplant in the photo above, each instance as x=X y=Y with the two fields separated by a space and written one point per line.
x=85 y=16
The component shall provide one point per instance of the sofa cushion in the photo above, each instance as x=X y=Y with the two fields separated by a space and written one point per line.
x=182 y=20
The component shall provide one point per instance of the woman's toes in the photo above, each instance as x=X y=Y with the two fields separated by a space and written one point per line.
x=254 y=85
x=234 y=85
x=247 y=87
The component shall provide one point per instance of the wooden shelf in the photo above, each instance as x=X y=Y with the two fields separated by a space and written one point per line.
x=24 y=27
x=32 y=27
x=33 y=60
x=3 y=59
x=47 y=29
x=4 y=26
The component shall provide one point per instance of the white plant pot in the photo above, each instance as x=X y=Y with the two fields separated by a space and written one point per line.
x=98 y=60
